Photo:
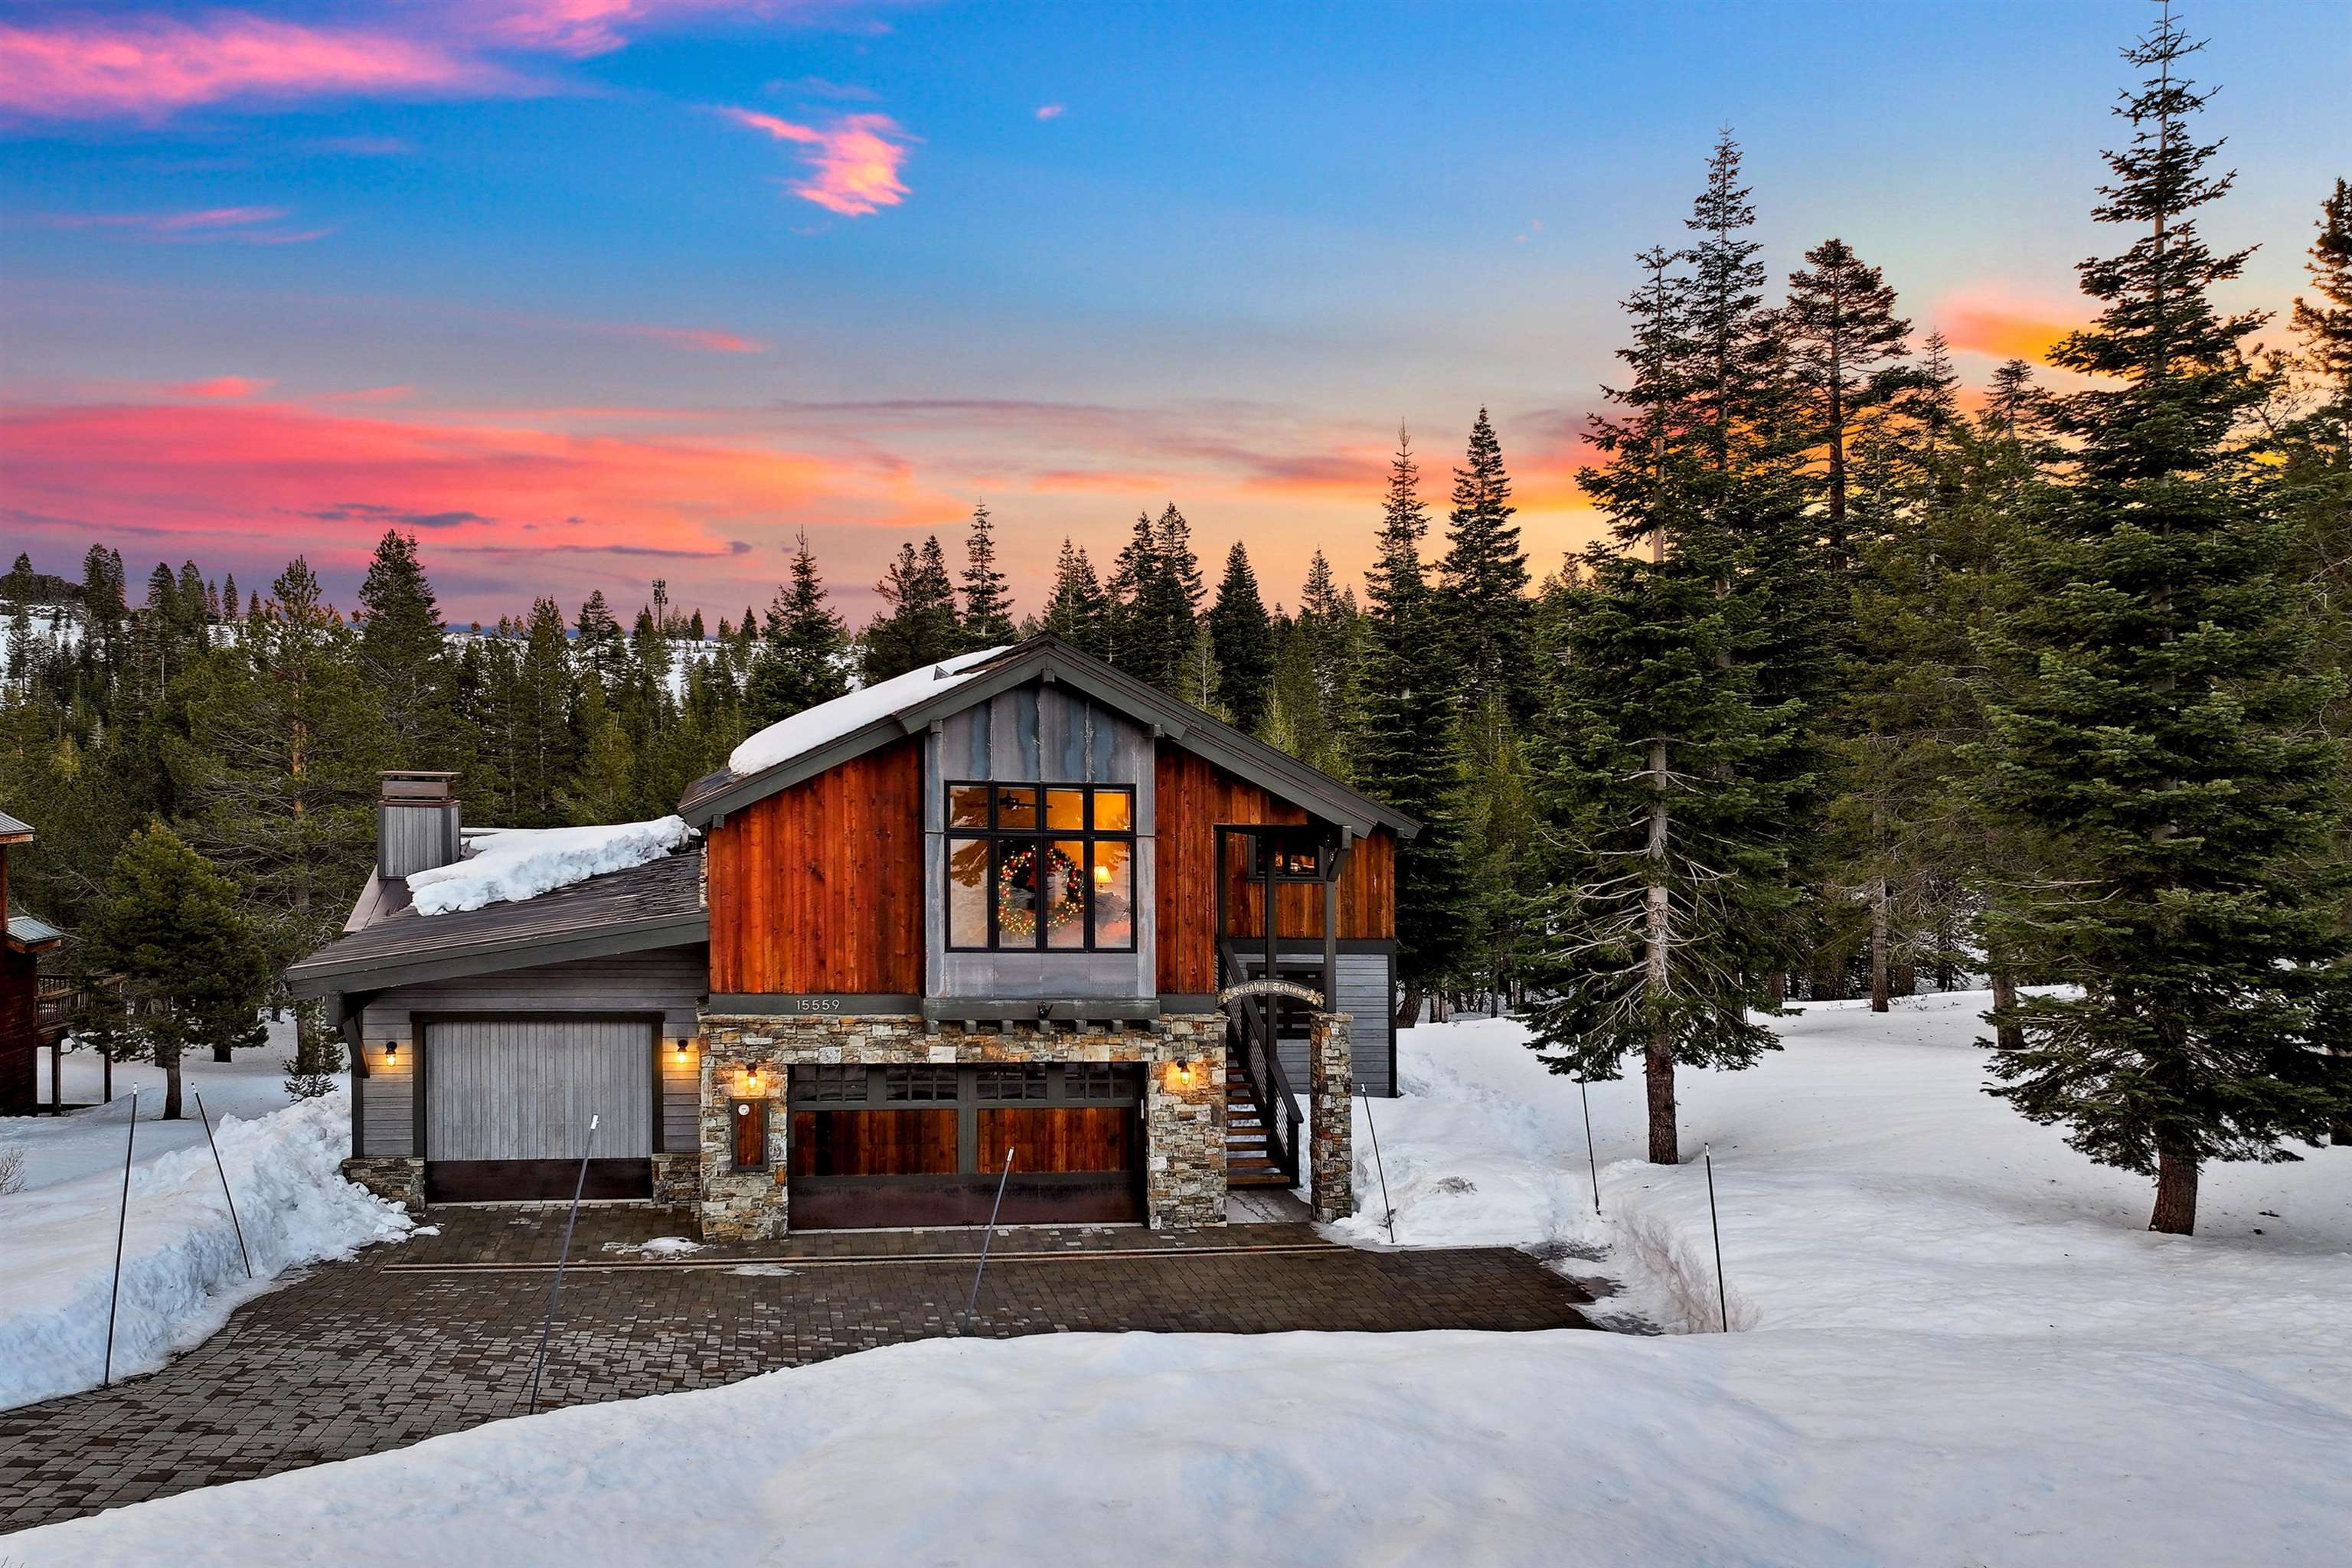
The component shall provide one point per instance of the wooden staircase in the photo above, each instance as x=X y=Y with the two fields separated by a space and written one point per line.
x=1249 y=1155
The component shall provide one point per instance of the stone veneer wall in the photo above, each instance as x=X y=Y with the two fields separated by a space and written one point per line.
x=677 y=1180
x=396 y=1177
x=1331 y=1118
x=1183 y=1121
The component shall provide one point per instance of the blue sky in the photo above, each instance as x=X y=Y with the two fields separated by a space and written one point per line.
x=562 y=278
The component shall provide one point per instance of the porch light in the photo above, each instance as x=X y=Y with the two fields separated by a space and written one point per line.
x=752 y=1080
x=391 y=1052
x=681 y=1053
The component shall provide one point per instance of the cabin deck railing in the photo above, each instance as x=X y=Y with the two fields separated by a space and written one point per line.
x=1250 y=1036
x=56 y=1003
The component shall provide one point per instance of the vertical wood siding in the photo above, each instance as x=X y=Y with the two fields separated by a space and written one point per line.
x=19 y=1026
x=669 y=980
x=1195 y=797
x=524 y=1089
x=819 y=888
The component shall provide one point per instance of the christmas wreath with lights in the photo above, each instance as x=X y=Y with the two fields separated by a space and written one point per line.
x=1018 y=922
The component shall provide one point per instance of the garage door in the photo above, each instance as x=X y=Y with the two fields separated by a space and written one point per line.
x=926 y=1144
x=506 y=1103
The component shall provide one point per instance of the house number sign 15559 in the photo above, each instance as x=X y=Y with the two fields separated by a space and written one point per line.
x=816 y=1004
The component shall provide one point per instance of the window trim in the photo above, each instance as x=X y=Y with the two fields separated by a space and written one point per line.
x=1040 y=837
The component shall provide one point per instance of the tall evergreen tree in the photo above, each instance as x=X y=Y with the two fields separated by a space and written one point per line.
x=1656 y=771
x=1243 y=639
x=987 y=604
x=600 y=651
x=918 y=625
x=404 y=650
x=805 y=654
x=1406 y=753
x=2155 y=731
x=544 y=748
x=1077 y=611
x=1845 y=350
x=278 y=770
x=1483 y=577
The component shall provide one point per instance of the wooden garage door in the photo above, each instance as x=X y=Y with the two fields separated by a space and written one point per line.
x=508 y=1100
x=919 y=1145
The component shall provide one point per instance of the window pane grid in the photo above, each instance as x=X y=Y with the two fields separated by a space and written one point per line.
x=1039 y=867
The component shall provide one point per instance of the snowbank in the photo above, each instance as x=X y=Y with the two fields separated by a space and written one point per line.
x=508 y=865
x=829 y=722
x=1551 y=1448
x=182 y=1272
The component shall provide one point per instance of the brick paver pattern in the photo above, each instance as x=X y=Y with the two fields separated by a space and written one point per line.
x=437 y=1334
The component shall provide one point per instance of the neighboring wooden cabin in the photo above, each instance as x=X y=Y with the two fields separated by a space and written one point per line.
x=977 y=910
x=23 y=1030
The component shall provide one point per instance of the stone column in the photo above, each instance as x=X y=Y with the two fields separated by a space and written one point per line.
x=1331 y=1116
x=741 y=1206
x=1185 y=1127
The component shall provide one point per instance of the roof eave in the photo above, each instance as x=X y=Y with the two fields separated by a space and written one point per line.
x=321 y=975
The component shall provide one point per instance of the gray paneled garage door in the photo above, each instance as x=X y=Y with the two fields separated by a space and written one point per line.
x=506 y=1103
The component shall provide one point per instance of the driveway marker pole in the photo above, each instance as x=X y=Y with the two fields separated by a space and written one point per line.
x=1722 y=1301
x=547 y=1326
x=207 y=1121
x=1591 y=1162
x=995 y=1209
x=120 y=1220
x=1387 y=1209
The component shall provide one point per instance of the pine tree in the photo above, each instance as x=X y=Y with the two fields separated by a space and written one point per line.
x=919 y=625
x=1242 y=640
x=1846 y=349
x=278 y=769
x=544 y=751
x=804 y=658
x=1406 y=755
x=1656 y=773
x=987 y=606
x=1483 y=579
x=1077 y=611
x=601 y=651
x=1129 y=635
x=169 y=925
x=2154 y=729
x=404 y=650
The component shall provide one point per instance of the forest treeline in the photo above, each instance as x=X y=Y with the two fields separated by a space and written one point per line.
x=1870 y=678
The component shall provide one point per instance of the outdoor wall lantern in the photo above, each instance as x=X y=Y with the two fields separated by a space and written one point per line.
x=752 y=1080
x=391 y=1052
x=681 y=1053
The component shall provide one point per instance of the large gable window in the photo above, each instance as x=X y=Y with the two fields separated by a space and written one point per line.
x=1046 y=867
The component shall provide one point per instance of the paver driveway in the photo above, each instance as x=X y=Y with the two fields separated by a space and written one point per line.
x=437 y=1334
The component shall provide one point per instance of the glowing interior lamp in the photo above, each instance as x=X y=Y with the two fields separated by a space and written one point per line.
x=1102 y=875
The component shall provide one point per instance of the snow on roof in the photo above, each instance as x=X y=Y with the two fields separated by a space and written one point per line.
x=828 y=721
x=509 y=865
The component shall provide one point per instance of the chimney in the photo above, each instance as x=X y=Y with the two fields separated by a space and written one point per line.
x=415 y=822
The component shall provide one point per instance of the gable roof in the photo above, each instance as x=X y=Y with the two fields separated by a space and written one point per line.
x=657 y=904
x=14 y=831
x=907 y=704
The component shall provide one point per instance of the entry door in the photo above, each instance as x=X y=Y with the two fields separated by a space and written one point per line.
x=508 y=1101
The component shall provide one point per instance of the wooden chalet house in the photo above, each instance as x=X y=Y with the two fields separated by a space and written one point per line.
x=29 y=1018
x=984 y=916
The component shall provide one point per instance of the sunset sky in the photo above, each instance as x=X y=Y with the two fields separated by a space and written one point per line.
x=592 y=291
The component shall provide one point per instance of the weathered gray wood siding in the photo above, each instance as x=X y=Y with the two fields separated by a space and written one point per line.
x=681 y=1095
x=525 y=1089
x=1364 y=995
x=669 y=980
x=1037 y=733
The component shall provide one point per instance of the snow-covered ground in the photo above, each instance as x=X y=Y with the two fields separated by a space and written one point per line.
x=182 y=1270
x=61 y=1148
x=1960 y=1347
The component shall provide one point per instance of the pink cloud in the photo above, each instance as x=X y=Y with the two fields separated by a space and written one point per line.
x=146 y=68
x=227 y=226
x=223 y=387
x=853 y=161
x=1051 y=110
x=270 y=475
x=703 y=339
x=1988 y=319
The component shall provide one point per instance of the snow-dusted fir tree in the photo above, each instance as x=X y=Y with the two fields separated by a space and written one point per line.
x=1655 y=941
x=2157 y=733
